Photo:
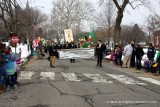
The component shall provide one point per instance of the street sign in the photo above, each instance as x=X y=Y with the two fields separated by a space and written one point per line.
x=15 y=39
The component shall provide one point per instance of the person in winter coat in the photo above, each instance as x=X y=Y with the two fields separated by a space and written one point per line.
x=139 y=54
x=151 y=52
x=127 y=55
x=52 y=54
x=133 y=56
x=100 y=48
x=10 y=68
x=3 y=75
x=158 y=61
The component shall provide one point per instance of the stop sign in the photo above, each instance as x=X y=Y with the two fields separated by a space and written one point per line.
x=15 y=39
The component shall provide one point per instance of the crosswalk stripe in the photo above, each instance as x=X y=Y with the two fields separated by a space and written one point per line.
x=70 y=76
x=26 y=74
x=97 y=78
x=47 y=75
x=125 y=79
x=151 y=80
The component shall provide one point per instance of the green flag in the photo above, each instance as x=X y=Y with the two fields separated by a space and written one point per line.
x=92 y=37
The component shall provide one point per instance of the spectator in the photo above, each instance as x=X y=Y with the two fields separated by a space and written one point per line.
x=139 y=54
x=3 y=75
x=151 y=52
x=10 y=68
x=127 y=55
x=133 y=56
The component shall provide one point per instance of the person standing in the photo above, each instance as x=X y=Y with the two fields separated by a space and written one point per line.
x=133 y=57
x=71 y=46
x=158 y=61
x=127 y=55
x=151 y=52
x=139 y=54
x=10 y=68
x=100 y=48
x=52 y=54
x=3 y=75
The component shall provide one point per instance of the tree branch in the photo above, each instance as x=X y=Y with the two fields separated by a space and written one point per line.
x=117 y=5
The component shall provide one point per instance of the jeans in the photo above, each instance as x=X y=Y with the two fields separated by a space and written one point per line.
x=13 y=80
x=3 y=76
x=99 y=61
x=138 y=63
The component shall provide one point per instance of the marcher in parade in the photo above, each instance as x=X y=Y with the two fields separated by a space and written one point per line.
x=127 y=55
x=139 y=54
x=100 y=48
x=10 y=68
x=52 y=54
x=3 y=74
x=70 y=46
x=151 y=52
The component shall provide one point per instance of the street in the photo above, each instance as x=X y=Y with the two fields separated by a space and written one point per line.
x=82 y=84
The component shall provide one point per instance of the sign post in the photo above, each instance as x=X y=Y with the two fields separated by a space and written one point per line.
x=15 y=40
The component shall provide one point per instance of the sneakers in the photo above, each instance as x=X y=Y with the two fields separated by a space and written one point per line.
x=15 y=86
x=8 y=87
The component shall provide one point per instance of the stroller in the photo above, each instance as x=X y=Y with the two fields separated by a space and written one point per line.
x=148 y=66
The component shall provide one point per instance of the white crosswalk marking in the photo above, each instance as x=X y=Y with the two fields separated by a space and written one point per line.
x=47 y=75
x=26 y=75
x=97 y=78
x=125 y=79
x=70 y=76
x=151 y=80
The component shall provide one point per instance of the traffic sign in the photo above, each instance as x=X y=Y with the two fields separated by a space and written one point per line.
x=15 y=39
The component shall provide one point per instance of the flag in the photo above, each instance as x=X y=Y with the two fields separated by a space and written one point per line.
x=91 y=37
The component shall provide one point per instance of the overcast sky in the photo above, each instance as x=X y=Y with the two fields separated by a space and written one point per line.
x=131 y=16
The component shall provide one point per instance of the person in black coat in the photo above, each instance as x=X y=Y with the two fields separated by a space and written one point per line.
x=100 y=48
x=139 y=54
x=52 y=53
x=151 y=52
x=133 y=56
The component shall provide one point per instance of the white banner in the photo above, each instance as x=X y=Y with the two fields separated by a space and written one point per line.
x=68 y=35
x=80 y=53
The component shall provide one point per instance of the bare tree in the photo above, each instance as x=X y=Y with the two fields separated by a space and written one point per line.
x=121 y=6
x=70 y=14
x=106 y=18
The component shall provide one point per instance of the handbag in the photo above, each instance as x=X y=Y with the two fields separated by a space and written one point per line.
x=155 y=65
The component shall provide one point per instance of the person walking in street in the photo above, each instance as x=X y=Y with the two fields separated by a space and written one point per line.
x=3 y=75
x=151 y=52
x=10 y=68
x=52 y=54
x=100 y=48
x=71 y=46
x=127 y=55
x=139 y=54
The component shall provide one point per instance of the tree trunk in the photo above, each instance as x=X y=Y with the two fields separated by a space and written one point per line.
x=117 y=27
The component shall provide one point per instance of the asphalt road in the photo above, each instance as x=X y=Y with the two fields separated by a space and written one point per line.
x=82 y=84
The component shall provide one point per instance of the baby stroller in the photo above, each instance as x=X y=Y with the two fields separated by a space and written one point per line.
x=148 y=66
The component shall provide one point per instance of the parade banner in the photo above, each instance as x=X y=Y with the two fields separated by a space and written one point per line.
x=68 y=35
x=81 y=53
